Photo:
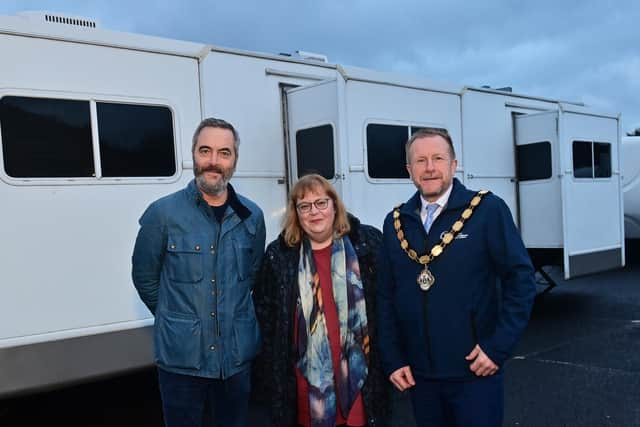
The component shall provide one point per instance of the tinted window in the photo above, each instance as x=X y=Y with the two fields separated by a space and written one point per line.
x=582 y=160
x=46 y=138
x=591 y=159
x=385 y=151
x=602 y=160
x=314 y=150
x=534 y=161
x=135 y=140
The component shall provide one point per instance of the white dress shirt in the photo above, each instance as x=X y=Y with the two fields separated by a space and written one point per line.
x=442 y=202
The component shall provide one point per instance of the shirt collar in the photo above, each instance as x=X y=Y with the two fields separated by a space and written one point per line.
x=442 y=201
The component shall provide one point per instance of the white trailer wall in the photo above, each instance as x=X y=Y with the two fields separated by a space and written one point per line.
x=631 y=186
x=365 y=103
x=489 y=148
x=246 y=91
x=67 y=254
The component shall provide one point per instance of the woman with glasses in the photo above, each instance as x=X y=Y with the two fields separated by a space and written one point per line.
x=315 y=303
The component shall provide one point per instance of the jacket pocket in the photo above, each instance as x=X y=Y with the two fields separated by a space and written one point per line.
x=245 y=339
x=184 y=258
x=244 y=258
x=178 y=340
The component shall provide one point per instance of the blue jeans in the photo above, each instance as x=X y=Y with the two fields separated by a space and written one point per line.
x=476 y=402
x=189 y=401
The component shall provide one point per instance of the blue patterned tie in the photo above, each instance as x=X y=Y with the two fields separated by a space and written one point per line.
x=431 y=209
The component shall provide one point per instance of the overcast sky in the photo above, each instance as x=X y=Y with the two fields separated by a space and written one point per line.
x=586 y=51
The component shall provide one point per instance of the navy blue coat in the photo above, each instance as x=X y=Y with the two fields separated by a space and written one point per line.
x=483 y=293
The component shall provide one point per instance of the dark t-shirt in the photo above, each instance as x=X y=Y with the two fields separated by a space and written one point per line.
x=218 y=211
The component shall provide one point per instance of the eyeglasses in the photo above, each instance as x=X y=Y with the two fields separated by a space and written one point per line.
x=320 y=204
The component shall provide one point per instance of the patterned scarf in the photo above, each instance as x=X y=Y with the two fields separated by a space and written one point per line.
x=314 y=352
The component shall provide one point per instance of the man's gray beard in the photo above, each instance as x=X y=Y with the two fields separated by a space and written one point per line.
x=212 y=190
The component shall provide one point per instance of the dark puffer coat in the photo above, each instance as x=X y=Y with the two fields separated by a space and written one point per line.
x=275 y=297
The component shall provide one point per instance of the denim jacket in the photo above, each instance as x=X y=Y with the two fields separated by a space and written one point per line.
x=196 y=276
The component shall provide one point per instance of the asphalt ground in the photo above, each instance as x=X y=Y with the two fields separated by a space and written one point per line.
x=579 y=361
x=578 y=364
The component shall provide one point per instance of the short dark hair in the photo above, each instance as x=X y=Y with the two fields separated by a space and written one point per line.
x=212 y=122
x=424 y=132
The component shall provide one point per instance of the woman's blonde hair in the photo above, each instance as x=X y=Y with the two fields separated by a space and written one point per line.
x=292 y=230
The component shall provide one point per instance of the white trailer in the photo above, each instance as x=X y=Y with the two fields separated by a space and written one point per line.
x=96 y=124
x=631 y=186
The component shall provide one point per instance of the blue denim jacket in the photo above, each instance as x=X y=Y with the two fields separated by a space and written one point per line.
x=196 y=275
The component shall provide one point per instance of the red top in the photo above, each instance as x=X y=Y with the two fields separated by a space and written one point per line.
x=356 y=417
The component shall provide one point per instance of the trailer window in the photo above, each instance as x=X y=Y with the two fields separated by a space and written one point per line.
x=314 y=151
x=135 y=140
x=534 y=161
x=601 y=160
x=385 y=151
x=386 y=157
x=582 y=160
x=46 y=138
x=591 y=159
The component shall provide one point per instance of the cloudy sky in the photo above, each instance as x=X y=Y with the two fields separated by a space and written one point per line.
x=587 y=50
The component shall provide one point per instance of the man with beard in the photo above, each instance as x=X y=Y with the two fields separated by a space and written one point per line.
x=194 y=263
x=455 y=290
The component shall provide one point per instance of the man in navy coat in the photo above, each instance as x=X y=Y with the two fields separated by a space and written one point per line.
x=455 y=291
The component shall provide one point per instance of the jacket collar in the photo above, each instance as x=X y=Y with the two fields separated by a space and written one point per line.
x=459 y=197
x=232 y=199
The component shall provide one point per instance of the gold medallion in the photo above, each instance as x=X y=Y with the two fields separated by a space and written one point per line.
x=426 y=279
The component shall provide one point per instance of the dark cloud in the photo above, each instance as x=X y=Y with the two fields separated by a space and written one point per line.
x=571 y=50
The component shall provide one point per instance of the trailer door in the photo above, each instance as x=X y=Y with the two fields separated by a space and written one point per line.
x=312 y=113
x=592 y=212
x=540 y=215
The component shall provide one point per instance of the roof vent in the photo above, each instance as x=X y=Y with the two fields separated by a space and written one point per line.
x=312 y=56
x=61 y=19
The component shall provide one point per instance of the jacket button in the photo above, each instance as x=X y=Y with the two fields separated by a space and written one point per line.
x=213 y=314
x=172 y=246
x=212 y=348
x=197 y=248
x=213 y=280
